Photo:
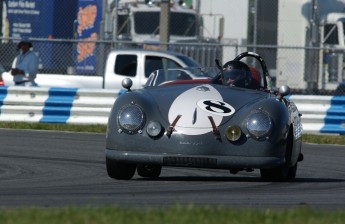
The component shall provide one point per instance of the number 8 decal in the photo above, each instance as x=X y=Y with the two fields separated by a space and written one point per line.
x=216 y=107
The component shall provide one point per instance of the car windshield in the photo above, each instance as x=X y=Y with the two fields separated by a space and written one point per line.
x=188 y=61
x=161 y=76
x=148 y=23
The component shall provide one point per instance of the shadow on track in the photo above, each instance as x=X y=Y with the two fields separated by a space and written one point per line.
x=235 y=179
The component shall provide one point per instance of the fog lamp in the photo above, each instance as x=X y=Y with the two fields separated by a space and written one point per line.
x=233 y=133
x=153 y=128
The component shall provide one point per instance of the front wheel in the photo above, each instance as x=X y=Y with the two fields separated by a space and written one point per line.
x=148 y=170
x=279 y=174
x=286 y=172
x=119 y=170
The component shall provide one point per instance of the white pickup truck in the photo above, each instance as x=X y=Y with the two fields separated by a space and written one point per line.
x=134 y=63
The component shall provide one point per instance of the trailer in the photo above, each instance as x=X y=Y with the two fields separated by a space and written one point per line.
x=316 y=29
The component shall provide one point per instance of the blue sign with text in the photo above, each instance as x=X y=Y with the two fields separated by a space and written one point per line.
x=42 y=19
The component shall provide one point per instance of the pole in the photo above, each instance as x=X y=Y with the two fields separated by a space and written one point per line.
x=101 y=62
x=255 y=33
x=312 y=56
x=164 y=21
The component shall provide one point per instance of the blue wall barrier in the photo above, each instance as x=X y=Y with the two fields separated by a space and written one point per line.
x=335 y=116
x=57 y=107
x=3 y=94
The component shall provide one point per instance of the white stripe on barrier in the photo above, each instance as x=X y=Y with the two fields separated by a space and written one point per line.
x=92 y=106
x=26 y=96
x=23 y=104
x=24 y=113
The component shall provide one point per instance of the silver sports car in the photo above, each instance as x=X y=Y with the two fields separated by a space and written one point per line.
x=226 y=117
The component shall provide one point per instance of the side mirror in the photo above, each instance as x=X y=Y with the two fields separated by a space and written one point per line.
x=284 y=91
x=127 y=83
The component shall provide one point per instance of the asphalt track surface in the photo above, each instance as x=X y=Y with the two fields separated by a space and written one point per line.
x=53 y=169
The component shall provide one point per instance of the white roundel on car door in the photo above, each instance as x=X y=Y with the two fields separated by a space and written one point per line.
x=194 y=106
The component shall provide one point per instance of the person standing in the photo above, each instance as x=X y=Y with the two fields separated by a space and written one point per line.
x=25 y=65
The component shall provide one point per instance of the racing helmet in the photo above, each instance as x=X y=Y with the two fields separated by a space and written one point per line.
x=236 y=73
x=256 y=78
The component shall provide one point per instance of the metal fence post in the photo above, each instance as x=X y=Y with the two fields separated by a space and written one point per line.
x=101 y=58
x=164 y=24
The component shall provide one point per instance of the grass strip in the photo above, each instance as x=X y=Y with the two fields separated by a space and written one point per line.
x=56 y=127
x=174 y=214
x=324 y=139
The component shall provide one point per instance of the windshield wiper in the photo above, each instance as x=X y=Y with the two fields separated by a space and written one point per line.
x=188 y=29
x=155 y=31
x=123 y=25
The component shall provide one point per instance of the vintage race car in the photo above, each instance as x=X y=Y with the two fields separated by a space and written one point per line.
x=226 y=117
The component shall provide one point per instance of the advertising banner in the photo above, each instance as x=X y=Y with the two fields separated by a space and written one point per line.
x=89 y=16
x=42 y=19
x=30 y=18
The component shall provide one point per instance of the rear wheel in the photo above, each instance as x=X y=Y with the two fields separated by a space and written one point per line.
x=119 y=170
x=147 y=170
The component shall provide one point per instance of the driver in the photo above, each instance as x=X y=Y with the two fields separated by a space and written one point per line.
x=236 y=73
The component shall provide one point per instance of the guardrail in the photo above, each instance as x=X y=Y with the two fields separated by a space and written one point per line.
x=320 y=114
x=56 y=105
x=323 y=114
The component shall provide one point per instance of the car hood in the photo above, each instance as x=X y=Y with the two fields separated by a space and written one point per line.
x=193 y=108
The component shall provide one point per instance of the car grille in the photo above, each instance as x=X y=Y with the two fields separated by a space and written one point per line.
x=189 y=161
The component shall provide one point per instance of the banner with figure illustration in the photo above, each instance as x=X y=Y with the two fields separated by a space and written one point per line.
x=89 y=16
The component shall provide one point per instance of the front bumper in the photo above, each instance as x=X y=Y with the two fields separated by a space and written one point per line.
x=199 y=161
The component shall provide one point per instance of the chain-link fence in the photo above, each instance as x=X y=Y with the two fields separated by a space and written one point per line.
x=305 y=70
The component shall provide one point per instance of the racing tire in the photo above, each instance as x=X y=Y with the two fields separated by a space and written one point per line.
x=151 y=171
x=292 y=172
x=279 y=174
x=283 y=173
x=120 y=171
x=275 y=174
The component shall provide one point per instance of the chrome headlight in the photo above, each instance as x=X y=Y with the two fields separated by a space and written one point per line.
x=131 y=119
x=259 y=124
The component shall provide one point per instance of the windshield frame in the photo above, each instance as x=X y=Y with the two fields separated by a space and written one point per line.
x=161 y=76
